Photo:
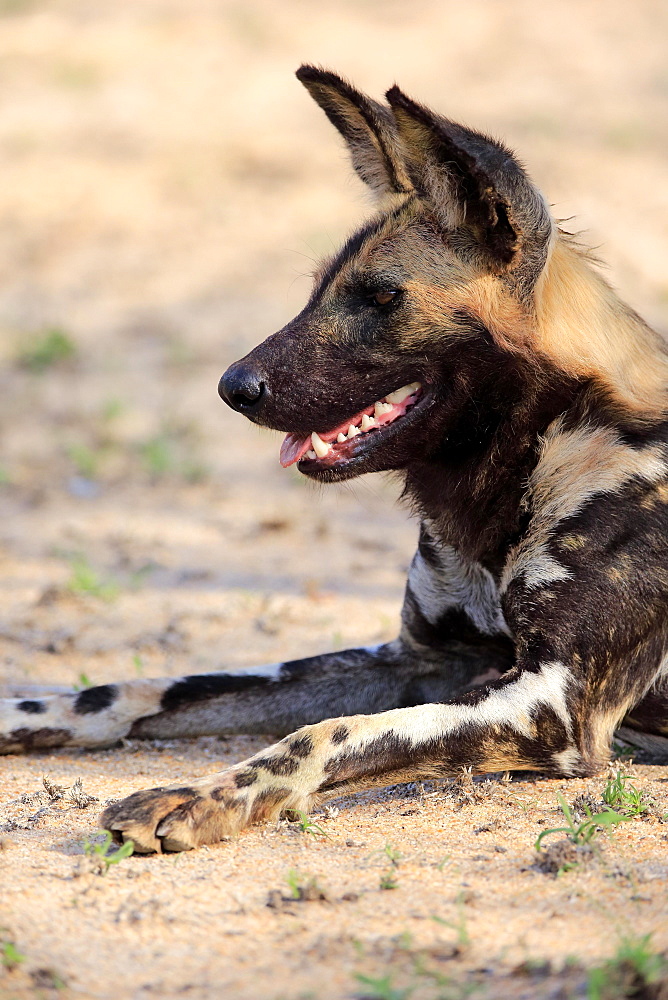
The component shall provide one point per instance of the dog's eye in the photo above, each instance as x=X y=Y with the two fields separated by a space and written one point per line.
x=383 y=298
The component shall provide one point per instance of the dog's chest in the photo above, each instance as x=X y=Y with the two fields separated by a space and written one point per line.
x=441 y=582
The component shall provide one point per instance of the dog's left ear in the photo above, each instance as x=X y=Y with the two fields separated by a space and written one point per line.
x=477 y=188
x=367 y=127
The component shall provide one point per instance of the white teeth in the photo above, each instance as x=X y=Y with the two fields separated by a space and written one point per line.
x=320 y=447
x=399 y=395
x=381 y=408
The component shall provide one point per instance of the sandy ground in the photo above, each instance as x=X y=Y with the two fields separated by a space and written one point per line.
x=166 y=187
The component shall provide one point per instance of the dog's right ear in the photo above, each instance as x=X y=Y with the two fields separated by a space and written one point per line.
x=367 y=127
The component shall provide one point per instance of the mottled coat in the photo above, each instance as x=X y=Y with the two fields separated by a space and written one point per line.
x=461 y=339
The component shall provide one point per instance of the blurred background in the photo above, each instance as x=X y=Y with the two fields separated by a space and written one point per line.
x=166 y=186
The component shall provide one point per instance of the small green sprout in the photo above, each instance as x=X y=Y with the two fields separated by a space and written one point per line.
x=460 y=925
x=389 y=880
x=83 y=682
x=111 y=409
x=294 y=880
x=623 y=796
x=84 y=580
x=100 y=852
x=303 y=887
x=157 y=455
x=623 y=752
x=583 y=833
x=634 y=966
x=85 y=460
x=47 y=349
x=394 y=855
x=307 y=826
x=11 y=956
x=337 y=640
x=382 y=988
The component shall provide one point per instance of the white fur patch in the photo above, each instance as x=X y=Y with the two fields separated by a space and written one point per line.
x=541 y=568
x=270 y=670
x=133 y=700
x=567 y=760
x=455 y=583
x=513 y=705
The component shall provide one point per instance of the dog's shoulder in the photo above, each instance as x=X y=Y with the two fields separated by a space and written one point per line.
x=596 y=501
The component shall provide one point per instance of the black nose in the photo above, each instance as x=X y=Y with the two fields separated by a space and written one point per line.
x=242 y=388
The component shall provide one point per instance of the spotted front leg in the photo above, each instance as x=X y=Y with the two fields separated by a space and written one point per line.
x=273 y=698
x=178 y=818
x=523 y=722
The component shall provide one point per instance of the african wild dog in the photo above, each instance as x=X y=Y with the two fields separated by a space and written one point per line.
x=461 y=338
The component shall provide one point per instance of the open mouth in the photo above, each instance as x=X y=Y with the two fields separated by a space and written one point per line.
x=366 y=429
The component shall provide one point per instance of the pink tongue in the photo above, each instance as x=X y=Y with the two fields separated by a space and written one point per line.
x=293 y=448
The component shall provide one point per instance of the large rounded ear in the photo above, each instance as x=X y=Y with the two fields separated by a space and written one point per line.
x=367 y=127
x=477 y=189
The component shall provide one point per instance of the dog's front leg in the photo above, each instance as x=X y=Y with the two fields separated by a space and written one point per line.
x=522 y=722
x=277 y=698
x=273 y=698
x=453 y=636
x=95 y=717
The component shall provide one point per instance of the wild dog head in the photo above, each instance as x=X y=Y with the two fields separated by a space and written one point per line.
x=428 y=312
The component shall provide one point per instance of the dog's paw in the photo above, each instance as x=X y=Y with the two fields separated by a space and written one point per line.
x=159 y=820
x=167 y=819
x=211 y=809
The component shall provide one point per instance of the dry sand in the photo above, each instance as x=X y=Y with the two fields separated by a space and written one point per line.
x=166 y=185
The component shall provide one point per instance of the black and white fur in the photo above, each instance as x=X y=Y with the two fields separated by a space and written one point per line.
x=535 y=614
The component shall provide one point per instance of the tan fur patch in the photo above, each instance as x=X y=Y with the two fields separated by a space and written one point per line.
x=614 y=574
x=574 y=466
x=587 y=330
x=603 y=725
x=509 y=322
x=571 y=543
x=659 y=495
